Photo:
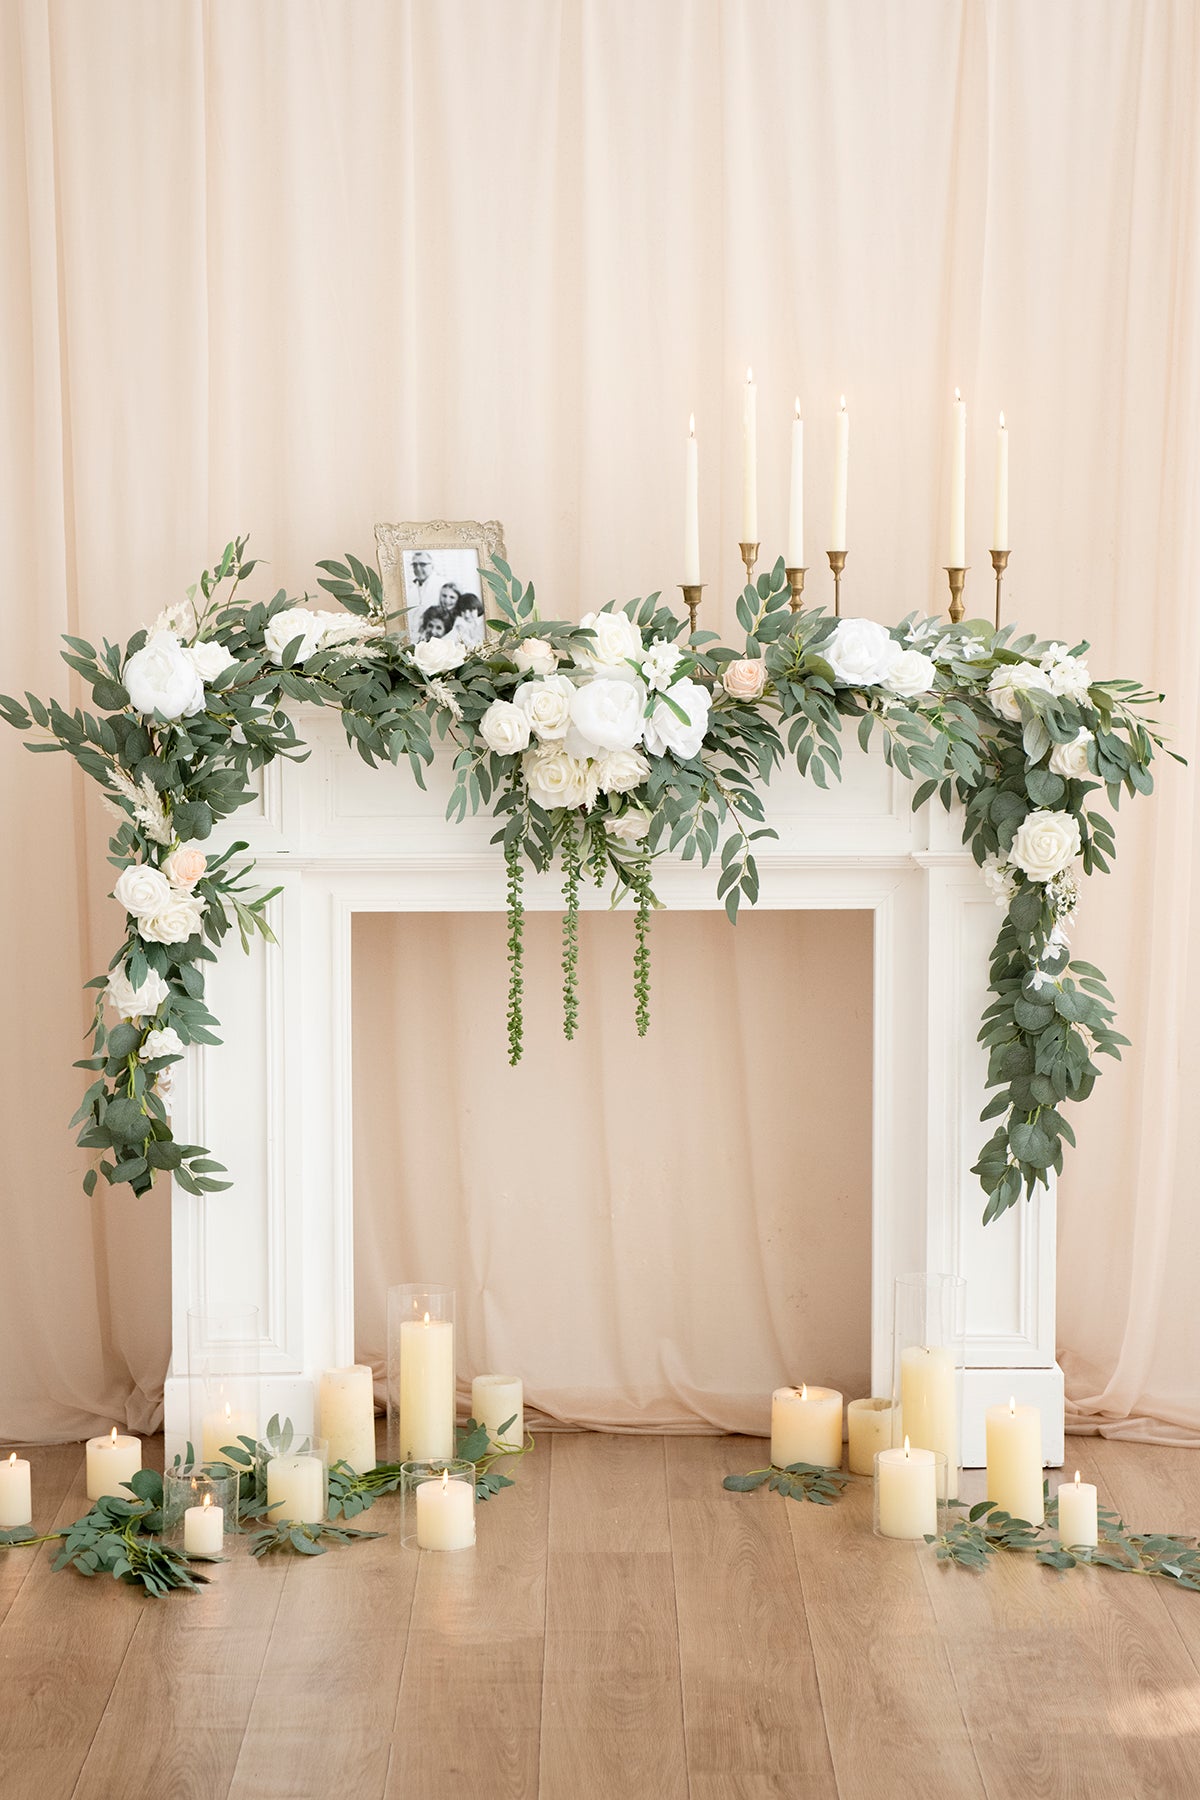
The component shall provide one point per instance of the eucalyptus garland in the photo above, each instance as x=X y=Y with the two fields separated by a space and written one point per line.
x=608 y=743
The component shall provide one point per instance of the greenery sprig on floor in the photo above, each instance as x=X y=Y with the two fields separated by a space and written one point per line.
x=986 y=1531
x=798 y=1481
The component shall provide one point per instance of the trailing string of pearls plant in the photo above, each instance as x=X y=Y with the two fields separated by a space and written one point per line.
x=600 y=746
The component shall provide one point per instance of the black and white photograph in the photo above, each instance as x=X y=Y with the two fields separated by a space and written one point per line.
x=443 y=591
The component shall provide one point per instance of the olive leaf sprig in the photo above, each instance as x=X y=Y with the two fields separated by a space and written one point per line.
x=309 y=1540
x=120 y=1538
x=971 y=1543
x=351 y=1493
x=798 y=1481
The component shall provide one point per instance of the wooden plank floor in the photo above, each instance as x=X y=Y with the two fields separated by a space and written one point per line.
x=624 y=1628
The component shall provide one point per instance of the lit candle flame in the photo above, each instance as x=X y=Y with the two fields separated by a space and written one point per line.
x=114 y=1437
x=691 y=424
x=12 y=1459
x=1012 y=1406
x=1077 y=1478
x=427 y=1318
x=907 y=1451
x=798 y=414
x=228 y=1412
x=843 y=404
x=208 y=1500
x=445 y=1479
x=749 y=375
x=804 y=1390
x=957 y=395
x=1003 y=426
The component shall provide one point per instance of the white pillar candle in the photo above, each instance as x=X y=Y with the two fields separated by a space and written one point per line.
x=750 y=460
x=496 y=1398
x=806 y=1426
x=225 y=1427
x=957 y=557
x=16 y=1493
x=907 y=1498
x=296 y=1489
x=111 y=1461
x=1014 y=1460
x=204 y=1529
x=1000 y=514
x=794 y=556
x=871 y=1425
x=929 y=1404
x=841 y=476
x=691 y=510
x=445 y=1514
x=1077 y=1513
x=426 y=1390
x=346 y=1402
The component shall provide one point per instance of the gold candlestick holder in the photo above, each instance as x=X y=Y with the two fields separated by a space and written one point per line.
x=958 y=580
x=999 y=563
x=795 y=581
x=691 y=591
x=749 y=557
x=837 y=562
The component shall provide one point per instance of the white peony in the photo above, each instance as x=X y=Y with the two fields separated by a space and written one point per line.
x=617 y=639
x=161 y=678
x=660 y=663
x=620 y=770
x=911 y=674
x=536 y=657
x=142 y=889
x=1067 y=675
x=1010 y=681
x=554 y=778
x=608 y=714
x=665 y=731
x=1001 y=882
x=209 y=659
x=860 y=653
x=136 y=1002
x=628 y=827
x=173 y=923
x=504 y=728
x=292 y=623
x=548 y=705
x=437 y=656
x=1045 y=844
x=1071 y=760
x=166 y=1042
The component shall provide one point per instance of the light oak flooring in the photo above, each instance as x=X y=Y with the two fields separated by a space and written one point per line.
x=625 y=1628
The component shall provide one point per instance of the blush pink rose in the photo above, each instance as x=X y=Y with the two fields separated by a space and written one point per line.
x=184 y=867
x=746 y=678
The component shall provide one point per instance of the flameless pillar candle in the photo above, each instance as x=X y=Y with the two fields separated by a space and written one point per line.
x=296 y=1489
x=794 y=555
x=750 y=461
x=841 y=475
x=225 y=1427
x=957 y=558
x=496 y=1399
x=1014 y=1460
x=445 y=1514
x=1077 y=1515
x=1000 y=516
x=929 y=1403
x=426 y=1390
x=16 y=1493
x=806 y=1426
x=204 y=1529
x=347 y=1416
x=111 y=1461
x=691 y=511
x=907 y=1496
x=871 y=1426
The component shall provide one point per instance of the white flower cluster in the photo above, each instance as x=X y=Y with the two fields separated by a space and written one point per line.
x=864 y=654
x=316 y=631
x=1056 y=672
x=163 y=902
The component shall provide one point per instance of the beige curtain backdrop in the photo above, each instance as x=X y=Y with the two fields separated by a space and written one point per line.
x=299 y=267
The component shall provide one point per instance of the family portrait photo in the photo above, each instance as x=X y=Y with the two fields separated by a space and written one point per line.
x=443 y=594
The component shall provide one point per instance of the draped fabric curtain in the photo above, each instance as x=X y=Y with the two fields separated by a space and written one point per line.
x=297 y=267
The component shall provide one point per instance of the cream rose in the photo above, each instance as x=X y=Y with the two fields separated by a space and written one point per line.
x=136 y=1002
x=1009 y=682
x=911 y=674
x=166 y=1042
x=161 y=678
x=608 y=713
x=1045 y=844
x=142 y=889
x=660 y=663
x=209 y=659
x=746 y=678
x=554 y=778
x=628 y=827
x=860 y=653
x=665 y=731
x=620 y=770
x=173 y=923
x=437 y=656
x=548 y=706
x=504 y=728
x=184 y=867
x=1071 y=760
x=536 y=657
x=617 y=639
x=292 y=623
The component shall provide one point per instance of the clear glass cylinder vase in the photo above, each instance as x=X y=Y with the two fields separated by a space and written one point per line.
x=420 y=1373
x=911 y=1498
x=224 y=1379
x=200 y=1507
x=437 y=1505
x=928 y=1354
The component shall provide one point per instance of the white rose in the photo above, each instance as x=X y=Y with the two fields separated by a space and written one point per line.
x=166 y=1042
x=142 y=889
x=504 y=728
x=547 y=704
x=660 y=663
x=1045 y=844
x=173 y=923
x=209 y=659
x=911 y=674
x=628 y=827
x=184 y=867
x=666 y=731
x=1011 y=680
x=437 y=656
x=554 y=778
x=745 y=678
x=161 y=678
x=608 y=714
x=535 y=657
x=860 y=653
x=1001 y=882
x=617 y=638
x=1068 y=675
x=292 y=623
x=620 y=770
x=136 y=1002
x=1071 y=759
x=345 y=627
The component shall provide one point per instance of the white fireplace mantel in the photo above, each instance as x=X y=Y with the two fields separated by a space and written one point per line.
x=274 y=1102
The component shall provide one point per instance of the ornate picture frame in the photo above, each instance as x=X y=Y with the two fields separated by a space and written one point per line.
x=432 y=574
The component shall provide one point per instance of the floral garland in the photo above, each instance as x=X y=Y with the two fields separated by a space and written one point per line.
x=604 y=744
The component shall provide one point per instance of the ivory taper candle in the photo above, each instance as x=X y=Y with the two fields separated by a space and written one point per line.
x=841 y=477
x=1000 y=513
x=794 y=553
x=691 y=510
x=750 y=460
x=957 y=556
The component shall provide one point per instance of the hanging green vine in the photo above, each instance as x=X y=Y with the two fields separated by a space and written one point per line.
x=639 y=875
x=516 y=953
x=572 y=870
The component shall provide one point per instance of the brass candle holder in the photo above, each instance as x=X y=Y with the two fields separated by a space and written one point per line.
x=691 y=591
x=958 y=580
x=795 y=581
x=749 y=557
x=999 y=563
x=837 y=562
